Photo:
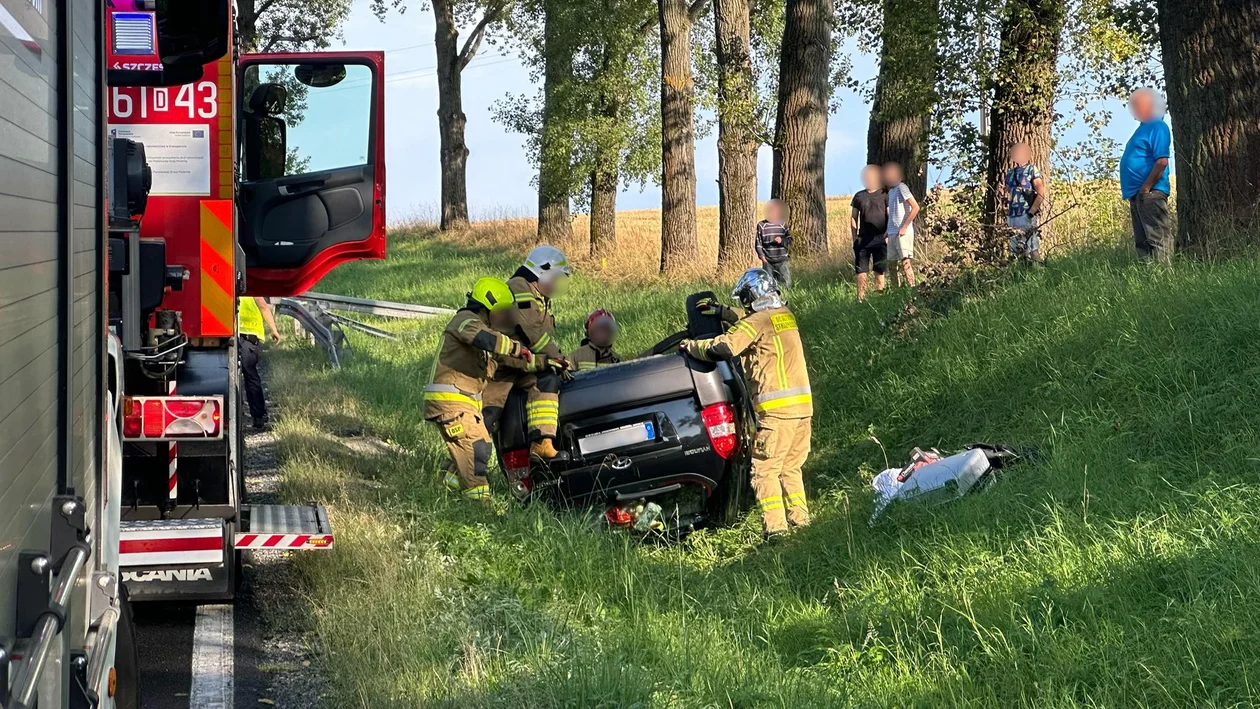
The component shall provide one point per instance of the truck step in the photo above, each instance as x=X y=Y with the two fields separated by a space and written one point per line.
x=284 y=527
x=171 y=541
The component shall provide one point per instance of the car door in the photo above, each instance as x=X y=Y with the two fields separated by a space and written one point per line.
x=311 y=165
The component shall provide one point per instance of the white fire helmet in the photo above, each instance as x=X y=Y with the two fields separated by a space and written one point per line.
x=547 y=263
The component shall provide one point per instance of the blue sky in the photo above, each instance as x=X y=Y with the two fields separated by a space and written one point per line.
x=499 y=173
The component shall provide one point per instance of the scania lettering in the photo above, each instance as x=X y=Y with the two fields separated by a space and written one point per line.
x=167 y=575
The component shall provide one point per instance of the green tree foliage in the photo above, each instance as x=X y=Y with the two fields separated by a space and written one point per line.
x=453 y=56
x=607 y=103
x=1106 y=48
x=289 y=25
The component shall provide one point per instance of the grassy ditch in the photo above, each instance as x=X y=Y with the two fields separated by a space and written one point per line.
x=1121 y=569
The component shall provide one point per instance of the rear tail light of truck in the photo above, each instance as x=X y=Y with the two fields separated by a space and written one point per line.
x=516 y=466
x=159 y=418
x=719 y=420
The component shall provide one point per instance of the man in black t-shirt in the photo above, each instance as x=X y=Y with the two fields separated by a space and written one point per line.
x=869 y=221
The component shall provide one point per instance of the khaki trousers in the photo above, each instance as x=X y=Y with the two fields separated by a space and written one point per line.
x=468 y=445
x=542 y=407
x=779 y=451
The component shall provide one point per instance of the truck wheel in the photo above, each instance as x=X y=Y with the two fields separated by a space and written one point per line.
x=126 y=657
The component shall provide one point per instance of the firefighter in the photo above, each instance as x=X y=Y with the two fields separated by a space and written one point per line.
x=769 y=345
x=467 y=355
x=596 y=349
x=533 y=286
x=253 y=312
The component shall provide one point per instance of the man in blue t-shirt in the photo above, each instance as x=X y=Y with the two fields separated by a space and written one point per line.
x=1144 y=177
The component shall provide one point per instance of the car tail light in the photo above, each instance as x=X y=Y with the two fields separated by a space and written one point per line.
x=719 y=420
x=516 y=465
x=164 y=417
x=618 y=516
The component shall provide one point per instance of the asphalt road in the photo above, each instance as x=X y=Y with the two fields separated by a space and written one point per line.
x=165 y=634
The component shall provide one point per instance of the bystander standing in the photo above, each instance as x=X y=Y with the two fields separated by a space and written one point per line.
x=1144 y=177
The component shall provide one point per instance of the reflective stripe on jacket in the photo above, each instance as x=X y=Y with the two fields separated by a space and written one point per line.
x=769 y=345
x=466 y=359
x=251 y=318
x=535 y=323
x=589 y=356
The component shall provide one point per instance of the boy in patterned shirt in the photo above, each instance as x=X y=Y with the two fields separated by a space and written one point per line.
x=1025 y=190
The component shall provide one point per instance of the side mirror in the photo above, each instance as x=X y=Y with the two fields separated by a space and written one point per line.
x=273 y=148
x=266 y=133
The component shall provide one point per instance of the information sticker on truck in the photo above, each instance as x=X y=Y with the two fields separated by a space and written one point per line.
x=618 y=437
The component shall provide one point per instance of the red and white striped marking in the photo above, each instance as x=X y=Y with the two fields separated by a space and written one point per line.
x=172 y=448
x=153 y=545
x=284 y=541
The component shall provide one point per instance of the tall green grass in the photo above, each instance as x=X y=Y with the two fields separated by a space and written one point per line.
x=1121 y=569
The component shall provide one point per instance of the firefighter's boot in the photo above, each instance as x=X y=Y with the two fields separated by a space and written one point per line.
x=545 y=449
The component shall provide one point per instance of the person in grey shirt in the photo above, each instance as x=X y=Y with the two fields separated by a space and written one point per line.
x=772 y=242
x=903 y=209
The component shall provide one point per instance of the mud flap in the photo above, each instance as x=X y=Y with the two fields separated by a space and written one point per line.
x=176 y=560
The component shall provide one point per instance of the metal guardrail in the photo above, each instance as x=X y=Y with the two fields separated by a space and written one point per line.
x=319 y=328
x=314 y=312
x=383 y=308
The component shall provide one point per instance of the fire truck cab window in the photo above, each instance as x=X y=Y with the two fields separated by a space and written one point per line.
x=302 y=118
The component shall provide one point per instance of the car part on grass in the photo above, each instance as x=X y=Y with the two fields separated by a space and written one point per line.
x=934 y=479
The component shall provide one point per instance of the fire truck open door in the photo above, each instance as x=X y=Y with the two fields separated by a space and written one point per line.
x=311 y=136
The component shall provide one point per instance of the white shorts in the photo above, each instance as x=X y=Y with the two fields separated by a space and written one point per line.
x=901 y=247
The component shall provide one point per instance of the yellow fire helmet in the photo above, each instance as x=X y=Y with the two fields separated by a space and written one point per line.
x=492 y=293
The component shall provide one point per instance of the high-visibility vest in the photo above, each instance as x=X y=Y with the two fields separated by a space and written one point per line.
x=251 y=318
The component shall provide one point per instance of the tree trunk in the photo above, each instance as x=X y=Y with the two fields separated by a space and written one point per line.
x=605 y=181
x=451 y=119
x=905 y=89
x=1025 y=87
x=737 y=143
x=603 y=210
x=555 y=223
x=678 y=149
x=1211 y=54
x=247 y=25
x=801 y=127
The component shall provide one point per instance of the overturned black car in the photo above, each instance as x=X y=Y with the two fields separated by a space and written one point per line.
x=660 y=443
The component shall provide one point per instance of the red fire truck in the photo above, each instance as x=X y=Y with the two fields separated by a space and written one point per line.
x=248 y=175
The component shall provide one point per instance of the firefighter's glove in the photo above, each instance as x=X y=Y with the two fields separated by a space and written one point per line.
x=516 y=349
x=557 y=365
x=531 y=360
x=709 y=306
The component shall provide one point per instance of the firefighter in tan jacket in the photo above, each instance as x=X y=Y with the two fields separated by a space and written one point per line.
x=768 y=344
x=468 y=353
x=596 y=349
x=534 y=326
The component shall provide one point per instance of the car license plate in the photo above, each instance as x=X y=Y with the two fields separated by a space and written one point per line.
x=618 y=438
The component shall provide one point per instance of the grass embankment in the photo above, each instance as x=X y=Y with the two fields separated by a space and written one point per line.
x=1122 y=569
